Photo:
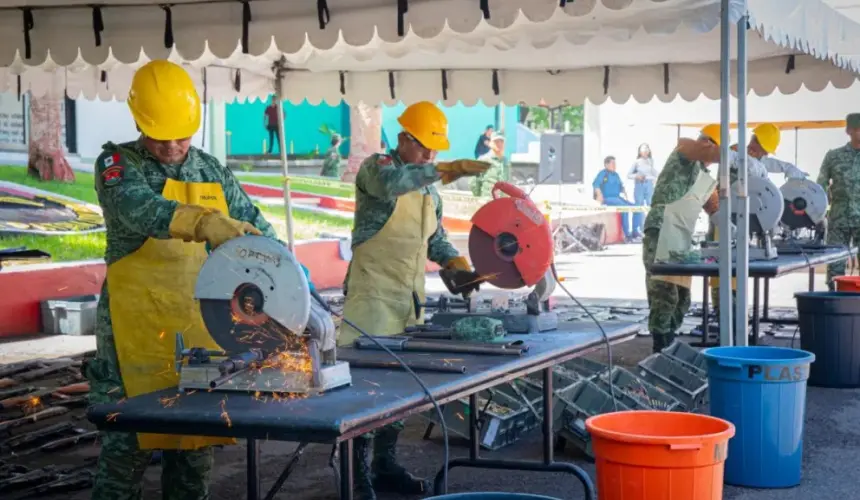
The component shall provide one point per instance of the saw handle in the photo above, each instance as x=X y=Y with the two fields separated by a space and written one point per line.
x=508 y=189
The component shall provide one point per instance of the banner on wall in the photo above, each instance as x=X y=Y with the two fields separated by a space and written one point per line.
x=29 y=211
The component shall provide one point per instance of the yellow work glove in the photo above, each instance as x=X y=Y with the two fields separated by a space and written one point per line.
x=453 y=170
x=200 y=224
x=458 y=264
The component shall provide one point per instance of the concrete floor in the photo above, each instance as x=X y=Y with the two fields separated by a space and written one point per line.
x=832 y=447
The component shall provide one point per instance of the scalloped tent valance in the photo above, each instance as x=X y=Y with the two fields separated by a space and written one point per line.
x=527 y=50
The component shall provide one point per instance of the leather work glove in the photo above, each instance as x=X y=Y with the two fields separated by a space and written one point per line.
x=459 y=278
x=795 y=173
x=200 y=224
x=713 y=203
x=453 y=170
x=458 y=263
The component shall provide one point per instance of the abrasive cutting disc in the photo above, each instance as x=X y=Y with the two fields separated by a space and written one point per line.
x=253 y=294
x=805 y=203
x=498 y=271
x=765 y=203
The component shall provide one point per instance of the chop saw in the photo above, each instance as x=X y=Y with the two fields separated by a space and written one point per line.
x=256 y=305
x=765 y=212
x=805 y=209
x=511 y=247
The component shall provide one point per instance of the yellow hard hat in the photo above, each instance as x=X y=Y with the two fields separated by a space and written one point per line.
x=767 y=135
x=712 y=132
x=427 y=123
x=164 y=102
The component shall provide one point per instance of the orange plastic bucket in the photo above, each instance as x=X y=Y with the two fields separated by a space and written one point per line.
x=659 y=455
x=847 y=283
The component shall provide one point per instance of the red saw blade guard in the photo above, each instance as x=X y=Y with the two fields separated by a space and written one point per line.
x=510 y=242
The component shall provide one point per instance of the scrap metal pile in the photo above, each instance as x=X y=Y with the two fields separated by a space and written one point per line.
x=42 y=416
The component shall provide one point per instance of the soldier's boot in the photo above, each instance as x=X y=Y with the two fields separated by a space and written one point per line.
x=661 y=341
x=362 y=473
x=388 y=475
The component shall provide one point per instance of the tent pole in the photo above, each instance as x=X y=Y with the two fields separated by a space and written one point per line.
x=282 y=148
x=724 y=223
x=743 y=264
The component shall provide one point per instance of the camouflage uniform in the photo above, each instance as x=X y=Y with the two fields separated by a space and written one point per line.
x=331 y=163
x=668 y=302
x=133 y=212
x=842 y=167
x=482 y=185
x=377 y=187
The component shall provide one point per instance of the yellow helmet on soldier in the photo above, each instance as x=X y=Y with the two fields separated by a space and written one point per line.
x=427 y=124
x=767 y=135
x=163 y=101
x=712 y=132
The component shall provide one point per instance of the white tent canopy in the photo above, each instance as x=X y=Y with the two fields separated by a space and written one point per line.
x=526 y=51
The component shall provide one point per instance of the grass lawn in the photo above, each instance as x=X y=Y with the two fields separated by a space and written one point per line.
x=306 y=187
x=91 y=246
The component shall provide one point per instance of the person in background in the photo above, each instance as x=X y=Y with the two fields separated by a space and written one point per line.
x=644 y=174
x=482 y=185
x=270 y=121
x=331 y=161
x=483 y=145
x=609 y=191
x=840 y=176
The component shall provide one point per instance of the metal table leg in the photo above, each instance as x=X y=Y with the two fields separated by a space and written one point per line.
x=545 y=465
x=753 y=338
x=706 y=315
x=345 y=453
x=253 y=470
x=811 y=278
x=766 y=305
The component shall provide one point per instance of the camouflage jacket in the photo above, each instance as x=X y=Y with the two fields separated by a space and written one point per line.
x=482 y=185
x=677 y=177
x=130 y=197
x=381 y=179
x=331 y=163
x=840 y=175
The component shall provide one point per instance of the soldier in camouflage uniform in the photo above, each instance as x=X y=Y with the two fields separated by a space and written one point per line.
x=669 y=297
x=153 y=219
x=482 y=185
x=398 y=226
x=840 y=175
x=331 y=162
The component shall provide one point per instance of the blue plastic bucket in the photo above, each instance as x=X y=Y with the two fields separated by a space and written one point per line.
x=762 y=390
x=491 y=496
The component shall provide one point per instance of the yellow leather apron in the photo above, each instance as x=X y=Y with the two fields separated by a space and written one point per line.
x=679 y=221
x=715 y=282
x=151 y=300
x=387 y=268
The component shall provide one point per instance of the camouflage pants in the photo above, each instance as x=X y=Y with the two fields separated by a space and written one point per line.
x=184 y=475
x=668 y=302
x=840 y=235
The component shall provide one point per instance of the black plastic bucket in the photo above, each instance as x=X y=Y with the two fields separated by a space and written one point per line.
x=829 y=324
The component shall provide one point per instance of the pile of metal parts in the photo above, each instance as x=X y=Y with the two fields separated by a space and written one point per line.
x=42 y=415
x=798 y=207
x=673 y=380
x=271 y=336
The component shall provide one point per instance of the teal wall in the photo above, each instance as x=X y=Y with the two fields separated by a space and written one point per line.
x=244 y=121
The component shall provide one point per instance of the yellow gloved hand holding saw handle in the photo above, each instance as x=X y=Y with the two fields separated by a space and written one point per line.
x=458 y=264
x=453 y=170
x=200 y=224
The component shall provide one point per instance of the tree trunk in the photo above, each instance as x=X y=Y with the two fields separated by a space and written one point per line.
x=365 y=136
x=47 y=160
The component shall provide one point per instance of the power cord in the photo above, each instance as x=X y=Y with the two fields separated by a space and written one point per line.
x=322 y=302
x=602 y=332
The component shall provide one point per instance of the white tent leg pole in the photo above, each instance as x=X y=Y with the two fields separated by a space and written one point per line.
x=724 y=223
x=282 y=148
x=743 y=264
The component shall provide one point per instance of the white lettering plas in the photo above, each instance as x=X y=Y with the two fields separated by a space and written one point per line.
x=528 y=211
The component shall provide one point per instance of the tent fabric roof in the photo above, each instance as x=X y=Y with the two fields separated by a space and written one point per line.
x=526 y=51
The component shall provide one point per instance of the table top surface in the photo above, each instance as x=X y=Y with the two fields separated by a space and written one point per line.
x=782 y=264
x=375 y=394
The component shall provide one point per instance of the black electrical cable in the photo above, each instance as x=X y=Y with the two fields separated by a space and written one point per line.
x=602 y=332
x=322 y=302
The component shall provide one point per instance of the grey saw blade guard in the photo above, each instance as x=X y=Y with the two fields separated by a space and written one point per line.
x=805 y=203
x=253 y=294
x=483 y=252
x=765 y=200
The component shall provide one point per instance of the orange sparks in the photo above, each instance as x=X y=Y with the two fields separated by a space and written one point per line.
x=167 y=402
x=111 y=417
x=161 y=335
x=224 y=415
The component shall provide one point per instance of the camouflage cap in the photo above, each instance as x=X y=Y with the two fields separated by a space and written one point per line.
x=852 y=120
x=478 y=329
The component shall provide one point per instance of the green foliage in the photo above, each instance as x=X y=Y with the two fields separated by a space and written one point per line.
x=540 y=118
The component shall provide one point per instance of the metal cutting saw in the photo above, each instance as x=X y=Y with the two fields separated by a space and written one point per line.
x=805 y=209
x=511 y=247
x=765 y=213
x=272 y=336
